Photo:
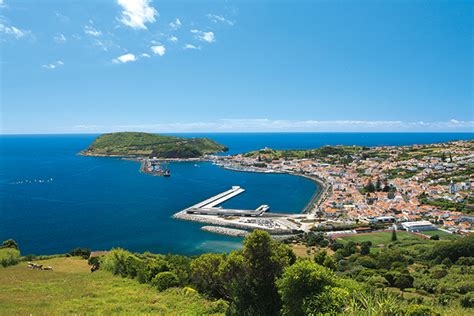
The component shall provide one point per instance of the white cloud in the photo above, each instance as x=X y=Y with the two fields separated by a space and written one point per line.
x=90 y=30
x=145 y=55
x=124 y=59
x=191 y=46
x=204 y=36
x=158 y=50
x=60 y=38
x=54 y=65
x=173 y=39
x=61 y=17
x=136 y=13
x=14 y=31
x=268 y=125
x=219 y=18
x=176 y=24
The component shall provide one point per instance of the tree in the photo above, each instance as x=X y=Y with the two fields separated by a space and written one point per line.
x=403 y=281
x=378 y=185
x=249 y=275
x=300 y=282
x=365 y=247
x=349 y=249
x=206 y=274
x=463 y=247
x=336 y=245
x=370 y=187
x=10 y=243
x=394 y=235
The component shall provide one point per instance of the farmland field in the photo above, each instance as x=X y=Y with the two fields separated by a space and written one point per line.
x=379 y=238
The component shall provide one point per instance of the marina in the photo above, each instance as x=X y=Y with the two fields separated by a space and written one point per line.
x=209 y=211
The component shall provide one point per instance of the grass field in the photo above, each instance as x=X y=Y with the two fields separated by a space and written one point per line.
x=72 y=289
x=379 y=238
x=440 y=233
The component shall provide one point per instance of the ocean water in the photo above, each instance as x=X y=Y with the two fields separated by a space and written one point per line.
x=52 y=200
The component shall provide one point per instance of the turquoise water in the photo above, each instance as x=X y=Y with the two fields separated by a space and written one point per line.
x=52 y=200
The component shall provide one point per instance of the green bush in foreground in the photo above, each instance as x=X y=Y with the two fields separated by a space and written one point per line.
x=9 y=256
x=308 y=288
x=264 y=278
x=165 y=280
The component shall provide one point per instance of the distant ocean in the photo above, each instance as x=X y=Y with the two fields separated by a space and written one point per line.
x=52 y=200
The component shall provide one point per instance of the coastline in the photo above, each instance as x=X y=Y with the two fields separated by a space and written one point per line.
x=229 y=227
x=316 y=198
x=286 y=225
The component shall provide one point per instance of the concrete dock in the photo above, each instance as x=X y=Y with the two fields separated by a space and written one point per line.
x=209 y=211
x=219 y=198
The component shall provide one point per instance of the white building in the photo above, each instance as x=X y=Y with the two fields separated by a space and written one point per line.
x=418 y=226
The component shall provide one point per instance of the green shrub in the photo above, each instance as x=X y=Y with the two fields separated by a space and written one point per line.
x=165 y=280
x=150 y=268
x=9 y=256
x=80 y=252
x=468 y=300
x=118 y=262
x=419 y=310
x=9 y=243
x=463 y=247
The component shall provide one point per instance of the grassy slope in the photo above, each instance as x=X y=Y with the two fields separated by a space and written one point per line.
x=71 y=288
x=143 y=144
x=380 y=238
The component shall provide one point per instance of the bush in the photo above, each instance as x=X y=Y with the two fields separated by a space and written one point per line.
x=165 y=280
x=150 y=268
x=118 y=262
x=434 y=237
x=80 y=252
x=465 y=261
x=468 y=300
x=365 y=247
x=444 y=299
x=336 y=245
x=9 y=243
x=419 y=310
x=463 y=247
x=307 y=288
x=9 y=256
x=367 y=262
x=399 y=280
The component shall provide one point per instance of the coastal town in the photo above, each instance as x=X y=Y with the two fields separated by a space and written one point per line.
x=415 y=188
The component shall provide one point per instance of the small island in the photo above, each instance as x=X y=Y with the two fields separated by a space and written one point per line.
x=138 y=144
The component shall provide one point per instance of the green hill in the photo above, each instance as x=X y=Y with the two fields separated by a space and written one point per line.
x=72 y=289
x=146 y=144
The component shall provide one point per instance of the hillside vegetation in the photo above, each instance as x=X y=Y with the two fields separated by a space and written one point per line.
x=72 y=289
x=151 y=145
x=404 y=277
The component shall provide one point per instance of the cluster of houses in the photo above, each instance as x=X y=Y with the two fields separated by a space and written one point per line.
x=400 y=184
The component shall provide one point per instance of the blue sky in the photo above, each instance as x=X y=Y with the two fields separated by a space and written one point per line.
x=174 y=66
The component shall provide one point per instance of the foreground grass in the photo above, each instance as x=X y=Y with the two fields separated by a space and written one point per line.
x=71 y=288
x=380 y=238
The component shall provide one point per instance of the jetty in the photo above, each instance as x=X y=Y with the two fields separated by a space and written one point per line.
x=209 y=211
x=210 y=206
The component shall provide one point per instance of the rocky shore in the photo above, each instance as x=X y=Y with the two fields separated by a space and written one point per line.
x=225 y=231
